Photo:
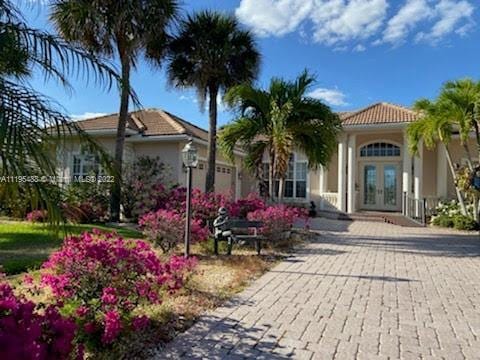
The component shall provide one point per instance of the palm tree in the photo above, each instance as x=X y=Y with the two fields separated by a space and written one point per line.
x=461 y=100
x=435 y=125
x=275 y=122
x=212 y=53
x=31 y=124
x=122 y=28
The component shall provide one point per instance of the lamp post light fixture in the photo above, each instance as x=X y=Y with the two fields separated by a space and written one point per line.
x=190 y=160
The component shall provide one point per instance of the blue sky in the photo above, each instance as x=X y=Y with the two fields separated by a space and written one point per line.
x=362 y=51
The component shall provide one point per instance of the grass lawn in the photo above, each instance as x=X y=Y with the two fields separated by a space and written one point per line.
x=25 y=246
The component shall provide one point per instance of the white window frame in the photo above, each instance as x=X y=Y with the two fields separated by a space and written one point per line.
x=82 y=155
x=294 y=198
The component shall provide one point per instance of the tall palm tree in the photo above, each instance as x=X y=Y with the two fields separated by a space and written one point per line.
x=435 y=125
x=117 y=28
x=275 y=122
x=31 y=124
x=212 y=53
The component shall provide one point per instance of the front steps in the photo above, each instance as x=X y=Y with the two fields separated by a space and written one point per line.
x=385 y=217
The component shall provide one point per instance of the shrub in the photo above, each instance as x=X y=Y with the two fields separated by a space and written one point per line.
x=37 y=216
x=86 y=202
x=167 y=229
x=461 y=222
x=443 y=220
x=277 y=220
x=27 y=333
x=242 y=207
x=144 y=186
x=103 y=280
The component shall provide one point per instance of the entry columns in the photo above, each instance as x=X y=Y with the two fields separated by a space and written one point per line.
x=351 y=195
x=407 y=173
x=342 y=169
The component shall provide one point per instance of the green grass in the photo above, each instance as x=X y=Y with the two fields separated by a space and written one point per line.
x=25 y=246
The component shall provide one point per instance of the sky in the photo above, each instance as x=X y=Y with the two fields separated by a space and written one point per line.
x=361 y=52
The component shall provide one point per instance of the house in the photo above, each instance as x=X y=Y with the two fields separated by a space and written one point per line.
x=152 y=133
x=372 y=168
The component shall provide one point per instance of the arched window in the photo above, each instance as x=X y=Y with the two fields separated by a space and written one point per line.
x=379 y=149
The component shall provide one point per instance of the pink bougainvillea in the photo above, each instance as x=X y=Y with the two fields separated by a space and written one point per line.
x=101 y=279
x=277 y=219
x=242 y=207
x=166 y=228
x=37 y=216
x=28 y=333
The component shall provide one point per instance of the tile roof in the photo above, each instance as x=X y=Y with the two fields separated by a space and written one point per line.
x=148 y=122
x=380 y=113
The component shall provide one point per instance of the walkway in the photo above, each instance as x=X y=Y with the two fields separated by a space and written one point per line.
x=363 y=290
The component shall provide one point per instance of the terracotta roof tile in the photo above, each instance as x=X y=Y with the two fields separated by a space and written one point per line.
x=380 y=113
x=149 y=122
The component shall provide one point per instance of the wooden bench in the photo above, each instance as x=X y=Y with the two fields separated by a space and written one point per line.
x=236 y=230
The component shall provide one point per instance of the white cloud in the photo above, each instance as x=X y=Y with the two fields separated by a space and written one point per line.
x=273 y=17
x=331 y=96
x=409 y=15
x=452 y=16
x=359 y=48
x=337 y=23
x=86 y=115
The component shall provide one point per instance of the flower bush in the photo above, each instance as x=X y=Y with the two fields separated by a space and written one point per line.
x=277 y=219
x=86 y=202
x=27 y=333
x=242 y=207
x=37 y=216
x=166 y=228
x=448 y=214
x=103 y=280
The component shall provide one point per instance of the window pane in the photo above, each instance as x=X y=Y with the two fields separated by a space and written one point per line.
x=379 y=149
x=301 y=189
x=301 y=171
x=288 y=189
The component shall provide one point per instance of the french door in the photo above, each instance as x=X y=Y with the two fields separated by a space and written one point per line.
x=380 y=186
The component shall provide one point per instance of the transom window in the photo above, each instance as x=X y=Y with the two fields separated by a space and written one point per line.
x=379 y=149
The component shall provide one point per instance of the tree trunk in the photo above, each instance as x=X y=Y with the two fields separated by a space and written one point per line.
x=116 y=192
x=468 y=156
x=271 y=177
x=212 y=139
x=281 y=189
x=454 y=175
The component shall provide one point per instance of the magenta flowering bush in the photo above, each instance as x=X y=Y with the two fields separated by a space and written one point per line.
x=28 y=333
x=242 y=207
x=277 y=219
x=102 y=280
x=37 y=216
x=166 y=228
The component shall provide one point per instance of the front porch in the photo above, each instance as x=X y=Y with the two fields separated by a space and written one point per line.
x=374 y=171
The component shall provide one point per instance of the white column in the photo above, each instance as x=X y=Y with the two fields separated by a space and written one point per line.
x=407 y=171
x=351 y=196
x=442 y=171
x=342 y=167
x=323 y=179
x=417 y=179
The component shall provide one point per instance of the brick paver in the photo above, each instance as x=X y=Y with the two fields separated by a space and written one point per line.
x=362 y=290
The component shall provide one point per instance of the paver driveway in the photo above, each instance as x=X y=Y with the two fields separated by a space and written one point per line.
x=362 y=290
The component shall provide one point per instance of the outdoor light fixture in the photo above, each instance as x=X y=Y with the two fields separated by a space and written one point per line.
x=190 y=160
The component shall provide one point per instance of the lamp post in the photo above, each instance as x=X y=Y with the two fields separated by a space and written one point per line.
x=190 y=160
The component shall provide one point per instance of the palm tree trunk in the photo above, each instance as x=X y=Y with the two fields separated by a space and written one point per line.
x=454 y=175
x=116 y=194
x=281 y=189
x=271 y=177
x=212 y=139
x=468 y=156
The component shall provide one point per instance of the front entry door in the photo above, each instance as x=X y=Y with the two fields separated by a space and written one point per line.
x=381 y=187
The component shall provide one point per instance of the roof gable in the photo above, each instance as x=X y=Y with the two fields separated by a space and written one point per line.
x=379 y=113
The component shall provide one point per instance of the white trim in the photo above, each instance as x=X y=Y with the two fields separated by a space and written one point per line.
x=342 y=186
x=352 y=164
x=383 y=126
x=386 y=141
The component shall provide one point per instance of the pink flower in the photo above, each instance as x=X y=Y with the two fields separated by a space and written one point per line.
x=109 y=296
x=82 y=311
x=140 y=322
x=113 y=326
